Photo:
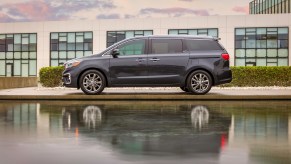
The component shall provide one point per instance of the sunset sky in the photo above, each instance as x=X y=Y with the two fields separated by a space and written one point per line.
x=51 y=10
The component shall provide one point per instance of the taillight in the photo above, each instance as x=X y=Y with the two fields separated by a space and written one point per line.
x=225 y=56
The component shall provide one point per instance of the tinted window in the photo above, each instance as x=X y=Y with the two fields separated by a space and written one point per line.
x=166 y=46
x=202 y=45
x=136 y=47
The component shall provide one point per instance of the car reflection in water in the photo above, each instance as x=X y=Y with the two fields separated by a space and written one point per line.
x=183 y=131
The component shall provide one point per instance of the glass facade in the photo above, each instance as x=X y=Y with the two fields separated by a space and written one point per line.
x=65 y=46
x=204 y=32
x=262 y=46
x=18 y=54
x=269 y=6
x=116 y=36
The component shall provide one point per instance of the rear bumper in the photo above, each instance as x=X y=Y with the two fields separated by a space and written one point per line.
x=224 y=77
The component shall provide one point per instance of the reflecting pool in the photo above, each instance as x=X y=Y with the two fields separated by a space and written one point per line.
x=166 y=132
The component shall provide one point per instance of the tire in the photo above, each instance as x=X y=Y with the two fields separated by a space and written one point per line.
x=92 y=82
x=185 y=89
x=199 y=82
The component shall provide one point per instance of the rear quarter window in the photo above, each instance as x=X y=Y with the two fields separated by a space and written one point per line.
x=202 y=45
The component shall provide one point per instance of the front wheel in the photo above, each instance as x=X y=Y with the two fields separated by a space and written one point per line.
x=199 y=82
x=92 y=82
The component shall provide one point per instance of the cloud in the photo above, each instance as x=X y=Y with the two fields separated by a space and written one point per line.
x=42 y=10
x=110 y=16
x=241 y=9
x=175 y=11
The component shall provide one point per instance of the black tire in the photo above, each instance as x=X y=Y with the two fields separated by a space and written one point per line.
x=199 y=82
x=92 y=82
x=185 y=89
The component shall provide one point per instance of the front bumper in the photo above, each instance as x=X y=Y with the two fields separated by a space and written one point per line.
x=70 y=79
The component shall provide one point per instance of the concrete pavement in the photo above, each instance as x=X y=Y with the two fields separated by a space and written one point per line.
x=216 y=93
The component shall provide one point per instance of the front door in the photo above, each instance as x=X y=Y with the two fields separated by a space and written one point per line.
x=167 y=63
x=130 y=66
x=9 y=69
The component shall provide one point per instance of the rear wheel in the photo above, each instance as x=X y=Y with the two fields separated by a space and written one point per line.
x=92 y=82
x=199 y=82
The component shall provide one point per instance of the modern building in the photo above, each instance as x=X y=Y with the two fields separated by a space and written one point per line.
x=251 y=40
x=269 y=6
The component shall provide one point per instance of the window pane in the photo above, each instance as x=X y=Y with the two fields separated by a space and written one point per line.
x=283 y=52
x=250 y=53
x=54 y=63
x=192 y=32
x=24 y=55
x=250 y=44
x=9 y=55
x=16 y=67
x=283 y=62
x=54 y=36
x=212 y=32
x=32 y=38
x=2 y=55
x=79 y=46
x=2 y=67
x=63 y=54
x=88 y=53
x=272 y=44
x=32 y=47
x=32 y=55
x=79 y=39
x=88 y=35
x=240 y=62
x=24 y=70
x=71 y=54
x=261 y=62
x=129 y=34
x=24 y=40
x=17 y=55
x=147 y=33
x=71 y=46
x=10 y=47
x=32 y=67
x=17 y=38
x=71 y=37
x=261 y=44
x=272 y=52
x=62 y=46
x=261 y=53
x=79 y=54
x=240 y=53
x=54 y=54
x=240 y=32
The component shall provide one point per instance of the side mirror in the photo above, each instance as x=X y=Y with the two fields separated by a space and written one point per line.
x=115 y=53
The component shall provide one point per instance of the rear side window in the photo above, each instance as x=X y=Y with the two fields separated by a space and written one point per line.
x=202 y=45
x=166 y=46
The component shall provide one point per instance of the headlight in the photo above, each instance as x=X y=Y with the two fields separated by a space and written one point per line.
x=72 y=63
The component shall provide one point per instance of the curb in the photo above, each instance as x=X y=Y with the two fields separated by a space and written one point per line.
x=143 y=97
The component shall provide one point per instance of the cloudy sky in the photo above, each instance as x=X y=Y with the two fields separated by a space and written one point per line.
x=47 y=10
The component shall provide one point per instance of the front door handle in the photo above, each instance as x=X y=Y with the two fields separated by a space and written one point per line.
x=154 y=59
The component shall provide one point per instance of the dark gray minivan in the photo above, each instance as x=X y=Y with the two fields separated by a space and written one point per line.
x=193 y=63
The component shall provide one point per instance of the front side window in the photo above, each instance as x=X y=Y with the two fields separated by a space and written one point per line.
x=263 y=46
x=166 y=46
x=136 y=47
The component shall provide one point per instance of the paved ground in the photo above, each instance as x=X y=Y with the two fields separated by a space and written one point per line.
x=40 y=93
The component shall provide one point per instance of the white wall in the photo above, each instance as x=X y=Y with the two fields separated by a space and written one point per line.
x=225 y=25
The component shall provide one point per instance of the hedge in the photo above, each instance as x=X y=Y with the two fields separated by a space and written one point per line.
x=242 y=76
x=260 y=76
x=51 y=76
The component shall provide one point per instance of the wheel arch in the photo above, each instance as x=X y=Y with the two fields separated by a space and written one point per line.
x=202 y=69
x=91 y=68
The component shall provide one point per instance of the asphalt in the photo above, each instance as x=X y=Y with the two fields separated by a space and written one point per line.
x=155 y=94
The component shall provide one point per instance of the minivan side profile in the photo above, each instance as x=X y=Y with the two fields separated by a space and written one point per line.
x=193 y=63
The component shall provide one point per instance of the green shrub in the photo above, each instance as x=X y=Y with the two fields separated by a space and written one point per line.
x=51 y=76
x=260 y=76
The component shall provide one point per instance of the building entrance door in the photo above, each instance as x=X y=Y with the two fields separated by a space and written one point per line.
x=9 y=69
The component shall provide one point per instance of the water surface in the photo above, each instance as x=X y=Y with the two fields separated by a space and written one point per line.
x=145 y=132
